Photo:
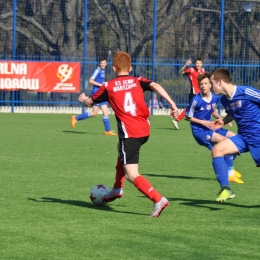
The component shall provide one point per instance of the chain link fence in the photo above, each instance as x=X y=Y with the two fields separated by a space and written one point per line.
x=159 y=35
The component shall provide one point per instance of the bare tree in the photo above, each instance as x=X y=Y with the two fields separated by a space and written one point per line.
x=56 y=35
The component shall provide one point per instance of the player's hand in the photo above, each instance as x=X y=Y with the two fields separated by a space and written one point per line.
x=174 y=112
x=217 y=124
x=208 y=124
x=188 y=62
x=82 y=97
x=85 y=100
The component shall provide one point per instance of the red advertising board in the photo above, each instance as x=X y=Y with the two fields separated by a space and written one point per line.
x=40 y=76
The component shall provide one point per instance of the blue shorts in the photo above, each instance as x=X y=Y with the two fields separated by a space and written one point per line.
x=94 y=90
x=204 y=137
x=244 y=147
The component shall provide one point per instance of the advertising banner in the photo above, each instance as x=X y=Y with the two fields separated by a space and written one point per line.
x=40 y=76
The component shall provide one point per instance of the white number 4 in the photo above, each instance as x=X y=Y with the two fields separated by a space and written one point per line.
x=129 y=104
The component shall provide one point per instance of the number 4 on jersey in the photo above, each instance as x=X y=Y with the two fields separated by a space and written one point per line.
x=129 y=104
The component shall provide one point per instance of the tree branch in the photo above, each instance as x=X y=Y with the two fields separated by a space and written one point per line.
x=242 y=35
x=34 y=23
x=106 y=17
x=39 y=43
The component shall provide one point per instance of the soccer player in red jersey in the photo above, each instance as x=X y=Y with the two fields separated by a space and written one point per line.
x=192 y=73
x=125 y=94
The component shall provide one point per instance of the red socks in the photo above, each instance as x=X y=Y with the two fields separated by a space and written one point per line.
x=120 y=175
x=181 y=116
x=146 y=188
x=142 y=184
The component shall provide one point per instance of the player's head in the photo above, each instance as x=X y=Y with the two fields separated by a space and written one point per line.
x=102 y=63
x=218 y=79
x=122 y=62
x=198 y=63
x=204 y=82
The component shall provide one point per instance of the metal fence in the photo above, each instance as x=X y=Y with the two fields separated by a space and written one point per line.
x=159 y=35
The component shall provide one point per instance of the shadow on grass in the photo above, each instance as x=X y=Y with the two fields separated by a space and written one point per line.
x=79 y=132
x=83 y=204
x=165 y=128
x=178 y=177
x=208 y=203
x=73 y=132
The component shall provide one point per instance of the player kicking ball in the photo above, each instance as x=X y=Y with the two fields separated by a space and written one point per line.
x=125 y=94
x=199 y=112
x=242 y=104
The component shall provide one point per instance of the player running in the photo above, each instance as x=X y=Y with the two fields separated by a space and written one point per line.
x=199 y=112
x=125 y=94
x=242 y=104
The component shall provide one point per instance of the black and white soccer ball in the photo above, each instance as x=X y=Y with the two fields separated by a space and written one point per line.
x=97 y=192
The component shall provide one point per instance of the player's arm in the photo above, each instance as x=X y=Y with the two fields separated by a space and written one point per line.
x=161 y=91
x=198 y=121
x=227 y=119
x=85 y=100
x=216 y=115
x=182 y=70
x=93 y=82
x=221 y=122
x=93 y=77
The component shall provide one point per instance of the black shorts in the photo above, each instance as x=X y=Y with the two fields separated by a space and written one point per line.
x=129 y=149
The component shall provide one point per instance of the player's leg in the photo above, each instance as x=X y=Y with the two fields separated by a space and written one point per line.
x=237 y=175
x=218 y=136
x=117 y=190
x=130 y=149
x=146 y=188
x=129 y=152
x=255 y=152
x=106 y=120
x=83 y=116
x=219 y=151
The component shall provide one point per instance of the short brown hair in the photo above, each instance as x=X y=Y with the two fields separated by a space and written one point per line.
x=203 y=76
x=122 y=61
x=222 y=74
x=198 y=59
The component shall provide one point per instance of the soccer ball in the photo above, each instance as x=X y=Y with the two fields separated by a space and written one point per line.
x=97 y=192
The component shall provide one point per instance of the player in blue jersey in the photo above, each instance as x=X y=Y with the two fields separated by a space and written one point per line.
x=201 y=107
x=243 y=105
x=97 y=79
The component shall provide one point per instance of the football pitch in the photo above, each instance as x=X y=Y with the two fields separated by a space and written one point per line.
x=48 y=169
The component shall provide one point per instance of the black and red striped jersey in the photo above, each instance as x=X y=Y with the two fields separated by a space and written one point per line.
x=125 y=95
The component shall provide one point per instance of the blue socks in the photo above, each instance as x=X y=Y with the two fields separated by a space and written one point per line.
x=106 y=123
x=86 y=115
x=221 y=170
x=83 y=116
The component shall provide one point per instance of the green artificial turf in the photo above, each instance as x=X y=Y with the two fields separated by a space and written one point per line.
x=47 y=170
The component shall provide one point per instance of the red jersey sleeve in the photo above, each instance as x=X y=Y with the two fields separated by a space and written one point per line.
x=145 y=84
x=188 y=71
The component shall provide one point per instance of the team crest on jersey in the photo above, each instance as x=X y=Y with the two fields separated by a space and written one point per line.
x=232 y=106
x=208 y=107
x=239 y=103
x=208 y=137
